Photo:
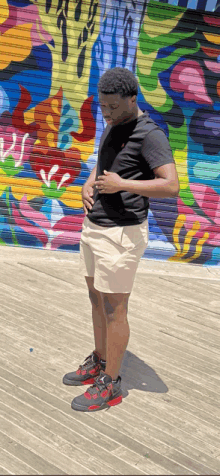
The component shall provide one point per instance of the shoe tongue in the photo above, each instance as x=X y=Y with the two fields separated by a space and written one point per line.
x=104 y=378
x=96 y=356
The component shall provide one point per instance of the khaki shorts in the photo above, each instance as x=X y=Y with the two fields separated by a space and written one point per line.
x=111 y=254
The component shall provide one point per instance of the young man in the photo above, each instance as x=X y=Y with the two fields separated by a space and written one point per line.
x=135 y=162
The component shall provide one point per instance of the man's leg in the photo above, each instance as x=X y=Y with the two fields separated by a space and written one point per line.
x=98 y=317
x=105 y=392
x=115 y=307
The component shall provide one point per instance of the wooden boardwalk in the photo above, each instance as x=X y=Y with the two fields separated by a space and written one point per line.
x=168 y=422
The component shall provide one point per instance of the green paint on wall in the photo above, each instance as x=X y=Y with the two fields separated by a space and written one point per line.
x=52 y=191
x=187 y=196
x=156 y=10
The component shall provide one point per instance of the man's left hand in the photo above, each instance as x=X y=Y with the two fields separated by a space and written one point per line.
x=110 y=182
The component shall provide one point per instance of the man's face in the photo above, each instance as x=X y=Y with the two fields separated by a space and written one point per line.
x=115 y=109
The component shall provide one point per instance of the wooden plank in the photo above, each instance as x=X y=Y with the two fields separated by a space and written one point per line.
x=170 y=305
x=92 y=422
x=20 y=452
x=188 y=284
x=206 y=407
x=14 y=465
x=177 y=428
x=59 y=425
x=121 y=437
x=32 y=327
x=33 y=356
x=182 y=376
x=28 y=336
x=203 y=394
x=63 y=327
x=186 y=438
x=50 y=455
x=169 y=410
x=143 y=372
x=204 y=323
x=40 y=430
x=170 y=371
x=158 y=452
x=45 y=432
x=161 y=442
x=35 y=372
x=143 y=463
x=161 y=337
x=4 y=471
x=76 y=428
x=170 y=299
x=186 y=365
x=175 y=383
x=190 y=349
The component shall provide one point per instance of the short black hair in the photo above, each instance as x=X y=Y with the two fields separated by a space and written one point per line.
x=118 y=81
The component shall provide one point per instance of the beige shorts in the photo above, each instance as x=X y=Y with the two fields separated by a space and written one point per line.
x=111 y=254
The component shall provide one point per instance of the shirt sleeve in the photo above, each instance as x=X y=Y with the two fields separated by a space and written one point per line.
x=156 y=149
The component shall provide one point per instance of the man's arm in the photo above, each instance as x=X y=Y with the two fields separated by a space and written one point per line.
x=91 y=180
x=88 y=190
x=165 y=184
x=158 y=155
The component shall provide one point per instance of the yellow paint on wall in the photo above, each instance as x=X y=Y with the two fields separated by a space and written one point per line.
x=15 y=44
x=146 y=61
x=183 y=249
x=29 y=116
x=180 y=157
x=21 y=186
x=55 y=106
x=50 y=139
x=159 y=28
x=86 y=148
x=213 y=38
x=180 y=221
x=157 y=97
x=72 y=197
x=65 y=72
x=50 y=122
x=4 y=11
x=154 y=28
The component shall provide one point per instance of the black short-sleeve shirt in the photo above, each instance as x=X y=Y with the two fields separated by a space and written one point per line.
x=131 y=150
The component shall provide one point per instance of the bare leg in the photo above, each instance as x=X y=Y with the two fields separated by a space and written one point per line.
x=115 y=306
x=98 y=317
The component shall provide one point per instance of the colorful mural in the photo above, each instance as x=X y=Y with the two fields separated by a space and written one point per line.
x=52 y=54
x=180 y=82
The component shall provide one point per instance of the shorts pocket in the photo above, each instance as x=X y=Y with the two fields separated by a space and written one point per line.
x=135 y=235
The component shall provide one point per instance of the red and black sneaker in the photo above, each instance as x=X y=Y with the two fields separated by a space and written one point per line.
x=87 y=372
x=103 y=394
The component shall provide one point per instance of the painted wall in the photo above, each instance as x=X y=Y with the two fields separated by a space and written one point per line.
x=52 y=54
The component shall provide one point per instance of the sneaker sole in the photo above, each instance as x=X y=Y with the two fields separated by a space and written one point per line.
x=77 y=383
x=94 y=408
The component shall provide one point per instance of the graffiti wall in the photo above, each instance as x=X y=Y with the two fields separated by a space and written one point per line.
x=52 y=54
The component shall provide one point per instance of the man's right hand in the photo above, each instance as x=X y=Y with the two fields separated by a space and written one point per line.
x=87 y=194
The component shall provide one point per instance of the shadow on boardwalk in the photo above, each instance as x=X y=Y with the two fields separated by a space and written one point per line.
x=145 y=378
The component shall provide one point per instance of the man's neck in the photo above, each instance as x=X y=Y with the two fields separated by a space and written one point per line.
x=137 y=113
